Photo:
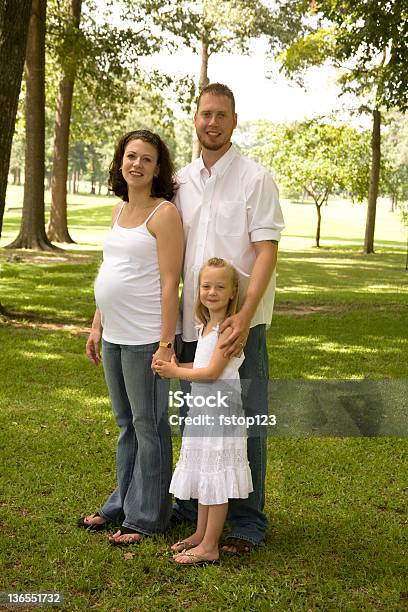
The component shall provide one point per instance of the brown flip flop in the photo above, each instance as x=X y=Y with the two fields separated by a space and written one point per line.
x=241 y=546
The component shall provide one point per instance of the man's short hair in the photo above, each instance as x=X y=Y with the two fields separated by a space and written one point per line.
x=217 y=89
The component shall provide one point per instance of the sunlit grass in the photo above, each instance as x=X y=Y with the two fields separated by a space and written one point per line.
x=342 y=221
x=337 y=507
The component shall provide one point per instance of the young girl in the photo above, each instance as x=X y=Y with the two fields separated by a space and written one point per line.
x=214 y=468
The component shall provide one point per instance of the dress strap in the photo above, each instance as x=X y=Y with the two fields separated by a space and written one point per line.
x=119 y=213
x=199 y=329
x=154 y=210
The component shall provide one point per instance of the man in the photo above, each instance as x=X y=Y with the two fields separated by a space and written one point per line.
x=230 y=209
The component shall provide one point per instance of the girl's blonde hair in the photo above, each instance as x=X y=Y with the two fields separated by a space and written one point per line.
x=201 y=311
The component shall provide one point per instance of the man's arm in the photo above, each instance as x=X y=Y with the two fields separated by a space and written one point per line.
x=266 y=252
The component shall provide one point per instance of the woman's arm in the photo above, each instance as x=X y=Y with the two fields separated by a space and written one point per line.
x=93 y=344
x=166 y=227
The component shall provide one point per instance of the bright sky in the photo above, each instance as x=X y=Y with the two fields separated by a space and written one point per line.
x=259 y=97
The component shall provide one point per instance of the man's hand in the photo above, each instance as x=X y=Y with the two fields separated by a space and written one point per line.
x=93 y=346
x=167 y=369
x=236 y=341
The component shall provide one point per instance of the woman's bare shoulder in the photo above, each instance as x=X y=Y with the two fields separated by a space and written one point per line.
x=116 y=210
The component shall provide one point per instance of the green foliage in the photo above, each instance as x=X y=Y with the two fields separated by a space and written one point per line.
x=143 y=107
x=316 y=157
x=365 y=39
x=403 y=210
x=374 y=35
x=225 y=26
x=312 y=49
x=183 y=134
x=395 y=158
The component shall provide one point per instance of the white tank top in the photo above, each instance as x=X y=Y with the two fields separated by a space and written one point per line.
x=127 y=288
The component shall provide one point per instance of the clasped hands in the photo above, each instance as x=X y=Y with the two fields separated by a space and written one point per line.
x=168 y=366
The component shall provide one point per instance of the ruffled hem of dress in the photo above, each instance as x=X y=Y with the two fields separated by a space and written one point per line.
x=211 y=489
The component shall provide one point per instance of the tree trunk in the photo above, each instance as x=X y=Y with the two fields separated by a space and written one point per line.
x=374 y=180
x=319 y=223
x=58 y=223
x=93 y=168
x=32 y=231
x=14 y=22
x=16 y=176
x=204 y=80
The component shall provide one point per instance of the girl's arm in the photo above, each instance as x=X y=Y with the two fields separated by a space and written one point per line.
x=213 y=371
x=166 y=227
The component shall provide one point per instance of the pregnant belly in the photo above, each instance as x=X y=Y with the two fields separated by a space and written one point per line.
x=115 y=291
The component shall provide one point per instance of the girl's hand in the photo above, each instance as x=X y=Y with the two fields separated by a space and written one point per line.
x=162 y=354
x=166 y=369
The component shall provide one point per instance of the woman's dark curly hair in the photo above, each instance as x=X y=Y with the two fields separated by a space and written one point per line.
x=163 y=186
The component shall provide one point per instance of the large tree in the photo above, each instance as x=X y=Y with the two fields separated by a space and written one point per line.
x=375 y=35
x=14 y=21
x=317 y=158
x=57 y=225
x=215 y=26
x=99 y=56
x=395 y=159
x=367 y=40
x=32 y=231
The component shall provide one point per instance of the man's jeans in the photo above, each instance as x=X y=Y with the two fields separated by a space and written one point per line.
x=139 y=400
x=245 y=516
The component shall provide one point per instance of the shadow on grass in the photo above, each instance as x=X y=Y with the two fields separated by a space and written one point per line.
x=341 y=275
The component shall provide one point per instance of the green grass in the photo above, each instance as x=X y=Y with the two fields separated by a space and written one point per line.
x=341 y=221
x=337 y=506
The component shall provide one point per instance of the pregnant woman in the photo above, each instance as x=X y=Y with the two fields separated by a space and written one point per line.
x=136 y=294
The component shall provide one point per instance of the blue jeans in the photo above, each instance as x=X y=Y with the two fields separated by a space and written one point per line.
x=245 y=516
x=139 y=400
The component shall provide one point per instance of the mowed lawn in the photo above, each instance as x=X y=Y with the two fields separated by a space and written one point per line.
x=337 y=506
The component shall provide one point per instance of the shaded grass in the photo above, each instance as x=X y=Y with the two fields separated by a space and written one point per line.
x=337 y=507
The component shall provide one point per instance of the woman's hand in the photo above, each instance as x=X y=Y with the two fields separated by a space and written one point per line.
x=162 y=354
x=93 y=346
x=167 y=369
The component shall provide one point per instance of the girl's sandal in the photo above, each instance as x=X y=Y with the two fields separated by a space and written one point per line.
x=196 y=560
x=182 y=545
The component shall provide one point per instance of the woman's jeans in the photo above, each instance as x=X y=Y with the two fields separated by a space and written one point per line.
x=139 y=400
x=246 y=517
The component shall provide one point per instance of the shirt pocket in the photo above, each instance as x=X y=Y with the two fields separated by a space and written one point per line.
x=231 y=218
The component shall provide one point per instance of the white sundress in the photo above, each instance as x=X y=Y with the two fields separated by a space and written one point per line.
x=213 y=464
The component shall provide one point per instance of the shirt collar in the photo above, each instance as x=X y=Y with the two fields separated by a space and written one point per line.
x=221 y=166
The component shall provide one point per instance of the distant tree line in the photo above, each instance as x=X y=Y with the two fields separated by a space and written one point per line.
x=84 y=86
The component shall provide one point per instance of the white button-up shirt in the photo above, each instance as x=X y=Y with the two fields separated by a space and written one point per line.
x=223 y=215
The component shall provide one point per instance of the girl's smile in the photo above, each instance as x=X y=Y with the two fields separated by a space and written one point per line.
x=216 y=288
